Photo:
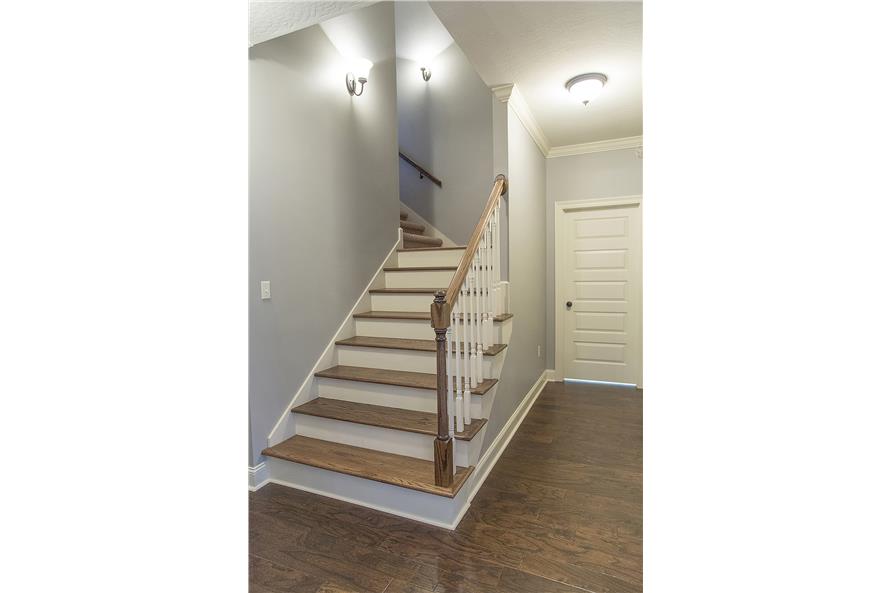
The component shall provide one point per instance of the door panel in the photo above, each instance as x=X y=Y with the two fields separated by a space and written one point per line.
x=602 y=277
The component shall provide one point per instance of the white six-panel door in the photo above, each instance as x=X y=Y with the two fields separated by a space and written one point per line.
x=601 y=277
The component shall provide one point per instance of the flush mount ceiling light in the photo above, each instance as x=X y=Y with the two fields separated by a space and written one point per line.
x=358 y=76
x=586 y=87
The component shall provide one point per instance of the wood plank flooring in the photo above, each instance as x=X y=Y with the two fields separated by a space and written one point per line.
x=561 y=512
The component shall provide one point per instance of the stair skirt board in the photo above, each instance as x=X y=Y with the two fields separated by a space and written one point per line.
x=405 y=360
x=402 y=502
x=399 y=442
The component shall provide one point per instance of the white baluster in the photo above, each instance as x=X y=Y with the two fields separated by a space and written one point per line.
x=484 y=258
x=490 y=276
x=477 y=280
x=471 y=295
x=459 y=368
x=465 y=327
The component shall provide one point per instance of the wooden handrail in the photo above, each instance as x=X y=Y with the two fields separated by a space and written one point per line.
x=424 y=172
x=440 y=320
x=498 y=190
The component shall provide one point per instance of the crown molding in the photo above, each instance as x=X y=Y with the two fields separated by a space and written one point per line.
x=510 y=94
x=600 y=146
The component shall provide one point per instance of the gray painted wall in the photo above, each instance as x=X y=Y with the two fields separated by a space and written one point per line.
x=526 y=201
x=445 y=124
x=598 y=175
x=323 y=197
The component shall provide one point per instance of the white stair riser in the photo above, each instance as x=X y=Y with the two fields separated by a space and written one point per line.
x=420 y=259
x=419 y=279
x=399 y=360
x=388 y=440
x=417 y=329
x=391 y=396
x=401 y=302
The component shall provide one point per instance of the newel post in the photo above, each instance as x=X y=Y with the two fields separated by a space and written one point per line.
x=442 y=445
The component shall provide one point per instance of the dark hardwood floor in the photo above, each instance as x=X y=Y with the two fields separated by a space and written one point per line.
x=561 y=512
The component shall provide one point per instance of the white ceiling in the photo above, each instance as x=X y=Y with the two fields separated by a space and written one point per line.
x=540 y=45
x=272 y=18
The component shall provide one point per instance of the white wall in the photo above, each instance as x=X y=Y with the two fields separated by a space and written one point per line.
x=526 y=215
x=323 y=196
x=445 y=125
x=597 y=175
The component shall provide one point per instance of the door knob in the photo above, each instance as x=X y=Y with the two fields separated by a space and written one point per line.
x=569 y=304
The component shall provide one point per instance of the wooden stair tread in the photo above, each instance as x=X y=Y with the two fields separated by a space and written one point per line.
x=382 y=416
x=403 y=216
x=389 y=468
x=420 y=269
x=414 y=227
x=391 y=377
x=407 y=344
x=420 y=315
x=431 y=248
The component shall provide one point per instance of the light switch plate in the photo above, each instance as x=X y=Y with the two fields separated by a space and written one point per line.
x=265 y=290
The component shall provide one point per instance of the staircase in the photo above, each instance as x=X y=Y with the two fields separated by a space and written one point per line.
x=413 y=234
x=371 y=415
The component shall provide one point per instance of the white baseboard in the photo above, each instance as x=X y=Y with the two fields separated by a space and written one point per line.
x=493 y=454
x=258 y=476
x=432 y=230
x=550 y=374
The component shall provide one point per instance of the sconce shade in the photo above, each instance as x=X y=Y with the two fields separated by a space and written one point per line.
x=358 y=76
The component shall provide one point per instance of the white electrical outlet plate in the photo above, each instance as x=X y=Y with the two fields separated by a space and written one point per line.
x=265 y=290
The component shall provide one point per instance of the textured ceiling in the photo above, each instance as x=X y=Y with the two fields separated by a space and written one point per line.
x=540 y=45
x=270 y=18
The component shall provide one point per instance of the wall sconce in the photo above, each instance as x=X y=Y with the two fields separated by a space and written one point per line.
x=425 y=74
x=358 y=76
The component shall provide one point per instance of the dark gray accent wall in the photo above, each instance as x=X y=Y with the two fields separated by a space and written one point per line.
x=323 y=197
x=523 y=364
x=445 y=125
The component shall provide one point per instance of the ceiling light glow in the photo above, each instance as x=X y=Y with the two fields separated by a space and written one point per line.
x=586 y=87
